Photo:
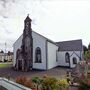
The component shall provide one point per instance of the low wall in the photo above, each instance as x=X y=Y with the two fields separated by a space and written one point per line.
x=12 y=85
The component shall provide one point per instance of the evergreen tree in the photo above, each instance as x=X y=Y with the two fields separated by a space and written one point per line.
x=2 y=51
x=89 y=46
x=85 y=48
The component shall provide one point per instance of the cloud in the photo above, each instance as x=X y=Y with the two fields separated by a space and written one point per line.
x=11 y=12
x=56 y=19
x=4 y=7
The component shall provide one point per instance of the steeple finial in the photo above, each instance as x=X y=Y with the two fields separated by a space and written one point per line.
x=27 y=18
x=28 y=15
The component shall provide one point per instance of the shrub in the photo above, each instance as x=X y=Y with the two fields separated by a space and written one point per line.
x=49 y=83
x=29 y=84
x=21 y=79
x=37 y=81
x=87 y=55
x=63 y=83
x=45 y=76
x=25 y=81
x=84 y=84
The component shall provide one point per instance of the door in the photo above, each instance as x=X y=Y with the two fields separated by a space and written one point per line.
x=19 y=65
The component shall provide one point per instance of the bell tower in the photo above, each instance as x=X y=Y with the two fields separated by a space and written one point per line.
x=27 y=45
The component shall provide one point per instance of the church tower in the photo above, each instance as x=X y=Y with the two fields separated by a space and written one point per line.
x=27 y=45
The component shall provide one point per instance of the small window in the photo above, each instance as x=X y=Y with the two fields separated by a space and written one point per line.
x=74 y=60
x=67 y=57
x=38 y=55
x=56 y=55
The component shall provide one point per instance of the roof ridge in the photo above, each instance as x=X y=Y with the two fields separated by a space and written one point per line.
x=70 y=40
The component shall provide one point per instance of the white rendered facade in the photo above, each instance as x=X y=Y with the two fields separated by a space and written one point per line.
x=61 y=58
x=36 y=51
x=50 y=55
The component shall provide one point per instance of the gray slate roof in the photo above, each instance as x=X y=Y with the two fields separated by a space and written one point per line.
x=73 y=45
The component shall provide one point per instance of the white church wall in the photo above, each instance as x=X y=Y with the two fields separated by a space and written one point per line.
x=61 y=57
x=77 y=54
x=16 y=46
x=39 y=41
x=71 y=60
x=51 y=55
x=54 y=58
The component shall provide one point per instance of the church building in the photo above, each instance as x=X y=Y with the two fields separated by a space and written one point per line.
x=34 y=51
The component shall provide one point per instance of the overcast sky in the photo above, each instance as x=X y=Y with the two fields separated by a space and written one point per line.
x=58 y=20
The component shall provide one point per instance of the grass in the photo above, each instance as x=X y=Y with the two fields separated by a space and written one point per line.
x=4 y=65
x=88 y=71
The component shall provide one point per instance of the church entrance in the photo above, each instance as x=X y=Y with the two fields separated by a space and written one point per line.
x=19 y=65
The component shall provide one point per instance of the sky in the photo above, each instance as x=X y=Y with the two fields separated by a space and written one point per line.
x=58 y=20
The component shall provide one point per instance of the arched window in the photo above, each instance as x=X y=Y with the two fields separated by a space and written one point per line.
x=38 y=55
x=74 y=60
x=67 y=57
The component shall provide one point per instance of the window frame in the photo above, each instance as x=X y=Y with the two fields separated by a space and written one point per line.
x=74 y=60
x=56 y=55
x=38 y=52
x=67 y=57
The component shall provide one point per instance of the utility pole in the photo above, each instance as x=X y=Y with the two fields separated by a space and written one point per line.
x=5 y=52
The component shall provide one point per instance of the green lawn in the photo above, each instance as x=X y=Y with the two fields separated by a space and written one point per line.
x=4 y=65
x=88 y=71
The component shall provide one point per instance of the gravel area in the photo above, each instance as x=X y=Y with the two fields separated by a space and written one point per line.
x=57 y=72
